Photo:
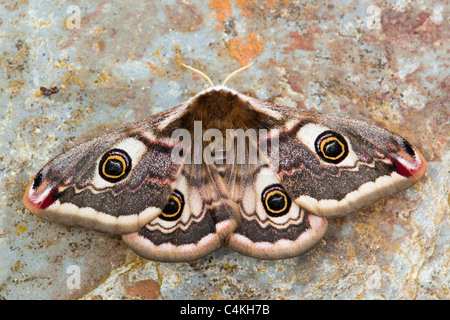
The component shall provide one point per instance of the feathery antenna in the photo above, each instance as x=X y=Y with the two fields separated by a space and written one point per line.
x=199 y=72
x=234 y=73
x=209 y=79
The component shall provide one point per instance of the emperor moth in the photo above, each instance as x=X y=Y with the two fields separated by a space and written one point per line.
x=271 y=206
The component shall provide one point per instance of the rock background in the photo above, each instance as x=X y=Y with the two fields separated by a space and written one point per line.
x=386 y=62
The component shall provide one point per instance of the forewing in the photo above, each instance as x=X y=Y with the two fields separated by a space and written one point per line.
x=332 y=166
x=114 y=183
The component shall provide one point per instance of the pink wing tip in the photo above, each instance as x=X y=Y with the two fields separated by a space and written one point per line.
x=409 y=162
x=40 y=197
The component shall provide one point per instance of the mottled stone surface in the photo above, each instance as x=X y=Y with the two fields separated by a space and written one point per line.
x=118 y=61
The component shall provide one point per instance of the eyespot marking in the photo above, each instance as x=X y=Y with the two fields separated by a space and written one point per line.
x=174 y=207
x=115 y=165
x=275 y=200
x=331 y=146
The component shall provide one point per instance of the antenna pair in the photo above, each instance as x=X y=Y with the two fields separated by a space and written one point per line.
x=209 y=79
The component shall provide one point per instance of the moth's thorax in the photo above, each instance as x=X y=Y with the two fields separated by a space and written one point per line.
x=222 y=108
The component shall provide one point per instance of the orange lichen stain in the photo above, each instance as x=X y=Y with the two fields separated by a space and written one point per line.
x=230 y=268
x=102 y=78
x=217 y=296
x=243 y=51
x=159 y=71
x=98 y=30
x=246 y=6
x=157 y=56
x=16 y=87
x=44 y=23
x=269 y=4
x=71 y=77
x=20 y=229
x=38 y=93
x=223 y=9
x=178 y=59
x=301 y=41
x=144 y=289
x=61 y=63
x=303 y=275
x=98 y=46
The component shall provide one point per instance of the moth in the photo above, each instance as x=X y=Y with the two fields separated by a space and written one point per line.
x=179 y=198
